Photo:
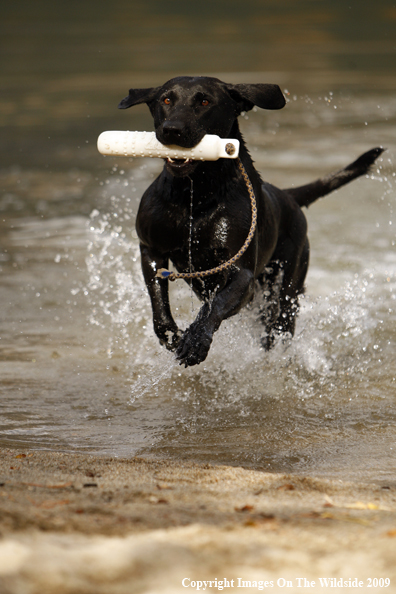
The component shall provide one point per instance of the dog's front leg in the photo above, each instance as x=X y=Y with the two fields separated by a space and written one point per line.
x=195 y=343
x=164 y=325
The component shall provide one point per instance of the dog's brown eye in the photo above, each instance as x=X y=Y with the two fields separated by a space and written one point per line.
x=205 y=102
x=167 y=101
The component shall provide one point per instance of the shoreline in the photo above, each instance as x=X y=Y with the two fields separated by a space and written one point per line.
x=77 y=523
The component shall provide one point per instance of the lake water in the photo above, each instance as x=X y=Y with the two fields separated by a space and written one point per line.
x=80 y=368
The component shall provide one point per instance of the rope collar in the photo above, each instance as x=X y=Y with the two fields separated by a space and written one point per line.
x=167 y=274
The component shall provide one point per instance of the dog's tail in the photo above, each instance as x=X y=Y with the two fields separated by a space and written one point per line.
x=305 y=195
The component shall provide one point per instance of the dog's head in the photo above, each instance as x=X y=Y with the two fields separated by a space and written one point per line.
x=186 y=108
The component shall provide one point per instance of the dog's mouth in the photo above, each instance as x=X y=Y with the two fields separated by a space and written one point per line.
x=180 y=167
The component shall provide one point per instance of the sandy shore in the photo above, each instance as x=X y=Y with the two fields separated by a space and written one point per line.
x=82 y=524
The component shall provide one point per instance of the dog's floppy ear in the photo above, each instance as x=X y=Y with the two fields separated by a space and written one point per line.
x=263 y=95
x=137 y=96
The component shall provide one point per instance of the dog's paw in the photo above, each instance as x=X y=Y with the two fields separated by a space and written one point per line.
x=170 y=338
x=193 y=347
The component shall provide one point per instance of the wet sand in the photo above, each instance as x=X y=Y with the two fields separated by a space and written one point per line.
x=81 y=524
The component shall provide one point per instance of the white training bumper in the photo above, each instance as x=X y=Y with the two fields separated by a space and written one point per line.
x=145 y=144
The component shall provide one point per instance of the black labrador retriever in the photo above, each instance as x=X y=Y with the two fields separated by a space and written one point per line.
x=184 y=110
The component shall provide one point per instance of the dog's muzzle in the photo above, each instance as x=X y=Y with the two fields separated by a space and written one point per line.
x=180 y=167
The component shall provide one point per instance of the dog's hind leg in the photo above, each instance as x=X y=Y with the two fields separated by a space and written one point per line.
x=269 y=309
x=282 y=282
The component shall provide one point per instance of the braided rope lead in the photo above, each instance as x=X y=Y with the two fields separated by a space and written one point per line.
x=167 y=274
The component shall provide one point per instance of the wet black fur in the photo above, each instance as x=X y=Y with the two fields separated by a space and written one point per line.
x=276 y=262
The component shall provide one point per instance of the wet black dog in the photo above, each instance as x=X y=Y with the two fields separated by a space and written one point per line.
x=184 y=110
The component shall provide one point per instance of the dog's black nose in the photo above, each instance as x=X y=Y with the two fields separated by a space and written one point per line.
x=172 y=131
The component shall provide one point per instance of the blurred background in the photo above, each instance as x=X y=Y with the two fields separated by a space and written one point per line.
x=79 y=366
